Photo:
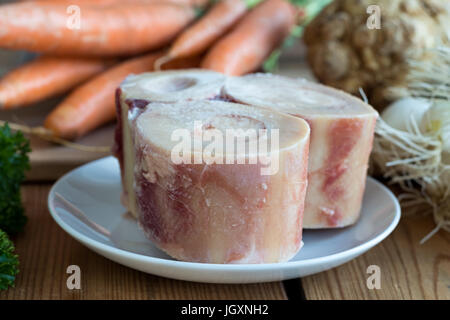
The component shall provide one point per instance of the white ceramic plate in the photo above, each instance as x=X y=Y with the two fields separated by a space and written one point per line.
x=86 y=204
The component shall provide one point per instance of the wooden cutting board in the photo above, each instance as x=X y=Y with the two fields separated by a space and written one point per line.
x=49 y=161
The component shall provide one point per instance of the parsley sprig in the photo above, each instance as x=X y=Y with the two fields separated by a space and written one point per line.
x=14 y=149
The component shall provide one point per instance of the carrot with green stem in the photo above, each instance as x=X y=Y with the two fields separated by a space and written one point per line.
x=113 y=30
x=216 y=22
x=246 y=47
x=309 y=10
x=46 y=77
x=93 y=104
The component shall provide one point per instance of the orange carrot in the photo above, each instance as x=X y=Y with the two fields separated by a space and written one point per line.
x=198 y=3
x=246 y=47
x=79 y=2
x=46 y=77
x=93 y=104
x=208 y=29
x=119 y=29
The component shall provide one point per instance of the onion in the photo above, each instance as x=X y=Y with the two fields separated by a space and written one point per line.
x=403 y=113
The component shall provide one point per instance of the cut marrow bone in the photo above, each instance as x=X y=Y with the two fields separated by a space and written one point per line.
x=342 y=129
x=171 y=86
x=139 y=90
x=212 y=212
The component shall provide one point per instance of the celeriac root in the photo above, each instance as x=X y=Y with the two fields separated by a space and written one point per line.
x=413 y=159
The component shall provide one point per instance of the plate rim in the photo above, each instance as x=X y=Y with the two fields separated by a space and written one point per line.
x=92 y=243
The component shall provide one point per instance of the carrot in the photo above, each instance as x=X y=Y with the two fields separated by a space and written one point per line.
x=119 y=29
x=93 y=104
x=208 y=29
x=46 y=77
x=198 y=3
x=245 y=48
x=80 y=2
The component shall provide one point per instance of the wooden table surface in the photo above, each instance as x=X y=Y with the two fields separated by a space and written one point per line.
x=408 y=270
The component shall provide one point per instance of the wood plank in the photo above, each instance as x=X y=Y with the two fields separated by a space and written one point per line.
x=409 y=270
x=45 y=252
